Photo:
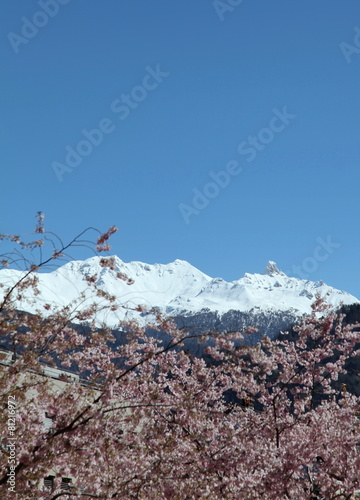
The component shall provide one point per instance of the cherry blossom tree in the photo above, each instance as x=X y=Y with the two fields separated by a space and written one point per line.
x=146 y=420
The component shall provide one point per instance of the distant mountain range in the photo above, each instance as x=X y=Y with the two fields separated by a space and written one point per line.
x=271 y=301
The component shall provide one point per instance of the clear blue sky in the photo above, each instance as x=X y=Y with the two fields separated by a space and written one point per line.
x=227 y=69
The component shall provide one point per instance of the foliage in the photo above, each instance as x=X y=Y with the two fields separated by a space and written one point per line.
x=146 y=420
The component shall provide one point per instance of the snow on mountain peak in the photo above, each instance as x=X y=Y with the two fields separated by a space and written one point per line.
x=178 y=288
x=271 y=269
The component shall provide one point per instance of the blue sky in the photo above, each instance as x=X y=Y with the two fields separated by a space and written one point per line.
x=180 y=90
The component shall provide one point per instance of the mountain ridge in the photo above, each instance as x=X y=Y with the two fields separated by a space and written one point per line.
x=180 y=289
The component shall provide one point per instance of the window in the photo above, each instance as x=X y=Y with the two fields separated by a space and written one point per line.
x=65 y=483
x=49 y=483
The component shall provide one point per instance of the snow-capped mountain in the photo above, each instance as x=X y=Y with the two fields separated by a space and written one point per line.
x=271 y=300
